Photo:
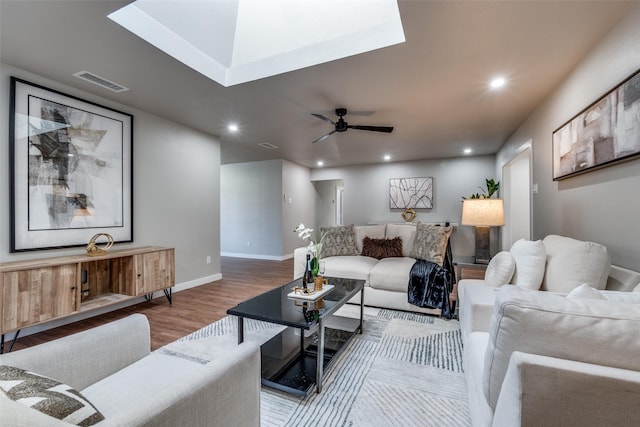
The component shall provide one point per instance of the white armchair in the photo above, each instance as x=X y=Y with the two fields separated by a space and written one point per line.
x=113 y=368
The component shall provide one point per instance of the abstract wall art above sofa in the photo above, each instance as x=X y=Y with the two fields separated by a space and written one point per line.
x=411 y=193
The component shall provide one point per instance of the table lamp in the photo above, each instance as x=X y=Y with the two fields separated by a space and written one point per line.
x=482 y=213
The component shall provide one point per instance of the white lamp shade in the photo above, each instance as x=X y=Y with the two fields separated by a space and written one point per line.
x=483 y=212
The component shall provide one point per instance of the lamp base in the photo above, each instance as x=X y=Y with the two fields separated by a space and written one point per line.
x=483 y=255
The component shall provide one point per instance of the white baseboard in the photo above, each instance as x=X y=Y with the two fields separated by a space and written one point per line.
x=193 y=283
x=257 y=256
x=85 y=315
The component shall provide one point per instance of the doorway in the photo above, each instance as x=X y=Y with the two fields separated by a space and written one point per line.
x=328 y=202
x=516 y=183
x=339 y=213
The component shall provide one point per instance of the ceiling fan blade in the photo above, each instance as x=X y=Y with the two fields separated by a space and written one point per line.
x=387 y=129
x=321 y=117
x=323 y=137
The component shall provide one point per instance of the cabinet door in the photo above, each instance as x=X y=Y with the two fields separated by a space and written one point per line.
x=38 y=295
x=154 y=271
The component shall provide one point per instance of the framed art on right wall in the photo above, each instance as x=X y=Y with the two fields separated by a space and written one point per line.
x=604 y=133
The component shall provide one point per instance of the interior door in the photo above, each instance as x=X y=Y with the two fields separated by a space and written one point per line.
x=516 y=186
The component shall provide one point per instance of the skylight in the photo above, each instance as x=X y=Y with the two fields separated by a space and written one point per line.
x=237 y=41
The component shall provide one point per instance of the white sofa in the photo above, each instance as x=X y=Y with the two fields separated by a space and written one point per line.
x=386 y=279
x=551 y=357
x=113 y=368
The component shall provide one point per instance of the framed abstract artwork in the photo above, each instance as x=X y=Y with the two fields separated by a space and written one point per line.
x=604 y=133
x=71 y=165
x=411 y=193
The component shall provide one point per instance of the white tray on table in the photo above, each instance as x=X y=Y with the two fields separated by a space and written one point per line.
x=311 y=297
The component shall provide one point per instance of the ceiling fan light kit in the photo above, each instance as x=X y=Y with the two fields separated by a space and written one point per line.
x=341 y=125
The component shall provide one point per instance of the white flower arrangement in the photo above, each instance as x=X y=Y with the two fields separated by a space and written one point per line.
x=306 y=233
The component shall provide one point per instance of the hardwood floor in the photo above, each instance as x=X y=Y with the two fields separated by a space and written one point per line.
x=193 y=308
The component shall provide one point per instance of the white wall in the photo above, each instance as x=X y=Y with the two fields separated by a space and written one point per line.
x=602 y=205
x=176 y=187
x=262 y=203
x=299 y=207
x=251 y=208
x=366 y=192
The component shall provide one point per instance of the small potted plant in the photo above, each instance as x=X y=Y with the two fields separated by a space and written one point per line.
x=492 y=188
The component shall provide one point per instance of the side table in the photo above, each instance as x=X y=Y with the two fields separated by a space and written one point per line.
x=466 y=263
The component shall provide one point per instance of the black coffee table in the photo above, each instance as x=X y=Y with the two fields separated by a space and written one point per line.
x=295 y=360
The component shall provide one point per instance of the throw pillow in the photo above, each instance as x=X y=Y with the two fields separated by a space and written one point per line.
x=530 y=258
x=572 y=262
x=373 y=231
x=621 y=297
x=382 y=248
x=48 y=396
x=339 y=241
x=500 y=269
x=585 y=291
x=430 y=242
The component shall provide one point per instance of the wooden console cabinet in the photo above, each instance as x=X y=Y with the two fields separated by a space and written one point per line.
x=38 y=291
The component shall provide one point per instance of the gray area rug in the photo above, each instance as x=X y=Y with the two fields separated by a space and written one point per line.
x=405 y=370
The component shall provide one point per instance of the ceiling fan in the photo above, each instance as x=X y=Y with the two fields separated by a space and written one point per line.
x=342 y=126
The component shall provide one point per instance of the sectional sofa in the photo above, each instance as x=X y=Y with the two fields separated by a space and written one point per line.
x=386 y=279
x=551 y=337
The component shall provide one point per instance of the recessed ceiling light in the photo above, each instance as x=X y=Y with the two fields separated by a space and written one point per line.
x=233 y=127
x=498 y=82
x=320 y=163
x=467 y=151
x=387 y=157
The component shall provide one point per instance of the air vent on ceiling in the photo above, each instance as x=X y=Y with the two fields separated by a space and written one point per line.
x=268 y=145
x=100 y=81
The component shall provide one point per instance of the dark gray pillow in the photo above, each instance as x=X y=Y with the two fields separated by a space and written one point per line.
x=339 y=241
x=48 y=396
x=430 y=242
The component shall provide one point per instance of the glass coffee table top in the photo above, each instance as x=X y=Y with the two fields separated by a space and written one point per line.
x=276 y=307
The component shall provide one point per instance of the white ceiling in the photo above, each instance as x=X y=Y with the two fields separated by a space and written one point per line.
x=432 y=88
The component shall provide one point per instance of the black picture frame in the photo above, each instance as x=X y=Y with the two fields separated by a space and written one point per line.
x=605 y=133
x=71 y=167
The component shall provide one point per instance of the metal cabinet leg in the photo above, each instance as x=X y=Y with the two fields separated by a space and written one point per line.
x=13 y=341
